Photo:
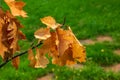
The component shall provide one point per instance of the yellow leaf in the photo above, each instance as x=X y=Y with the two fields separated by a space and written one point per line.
x=64 y=39
x=62 y=45
x=16 y=7
x=50 y=22
x=78 y=49
x=41 y=60
x=69 y=48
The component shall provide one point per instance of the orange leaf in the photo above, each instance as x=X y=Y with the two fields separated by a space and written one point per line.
x=78 y=49
x=15 y=62
x=65 y=59
x=64 y=39
x=62 y=45
x=2 y=46
x=31 y=58
x=41 y=60
x=16 y=7
x=50 y=22
x=42 y=33
x=69 y=48
x=50 y=45
x=9 y=36
x=21 y=35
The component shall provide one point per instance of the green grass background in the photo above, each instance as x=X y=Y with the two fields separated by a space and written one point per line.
x=88 y=19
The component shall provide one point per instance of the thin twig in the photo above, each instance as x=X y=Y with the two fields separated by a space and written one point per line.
x=20 y=54
x=64 y=21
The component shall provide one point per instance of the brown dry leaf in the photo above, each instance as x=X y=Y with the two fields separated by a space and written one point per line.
x=64 y=39
x=15 y=62
x=50 y=45
x=2 y=46
x=42 y=33
x=78 y=52
x=50 y=22
x=12 y=36
x=21 y=36
x=62 y=45
x=65 y=59
x=78 y=49
x=41 y=60
x=54 y=44
x=16 y=7
x=9 y=36
x=69 y=48
x=31 y=58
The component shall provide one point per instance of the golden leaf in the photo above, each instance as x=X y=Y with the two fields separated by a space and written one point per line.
x=69 y=48
x=2 y=46
x=78 y=49
x=65 y=59
x=64 y=39
x=50 y=22
x=16 y=7
x=9 y=36
x=50 y=45
x=62 y=45
x=41 y=60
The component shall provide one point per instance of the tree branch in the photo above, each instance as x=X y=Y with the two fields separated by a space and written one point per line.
x=20 y=54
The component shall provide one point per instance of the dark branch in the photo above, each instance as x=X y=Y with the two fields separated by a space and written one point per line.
x=20 y=54
x=64 y=21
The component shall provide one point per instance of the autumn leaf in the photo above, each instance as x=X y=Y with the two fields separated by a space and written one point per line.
x=9 y=36
x=62 y=45
x=70 y=49
x=21 y=36
x=78 y=49
x=65 y=59
x=16 y=7
x=50 y=22
x=41 y=60
x=15 y=62
x=31 y=58
x=50 y=45
x=64 y=39
x=2 y=46
x=42 y=33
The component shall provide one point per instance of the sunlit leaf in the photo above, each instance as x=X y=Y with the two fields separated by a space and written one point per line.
x=16 y=7
x=9 y=36
x=50 y=22
x=42 y=33
x=41 y=60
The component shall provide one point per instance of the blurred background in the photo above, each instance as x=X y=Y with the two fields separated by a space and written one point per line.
x=96 y=23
